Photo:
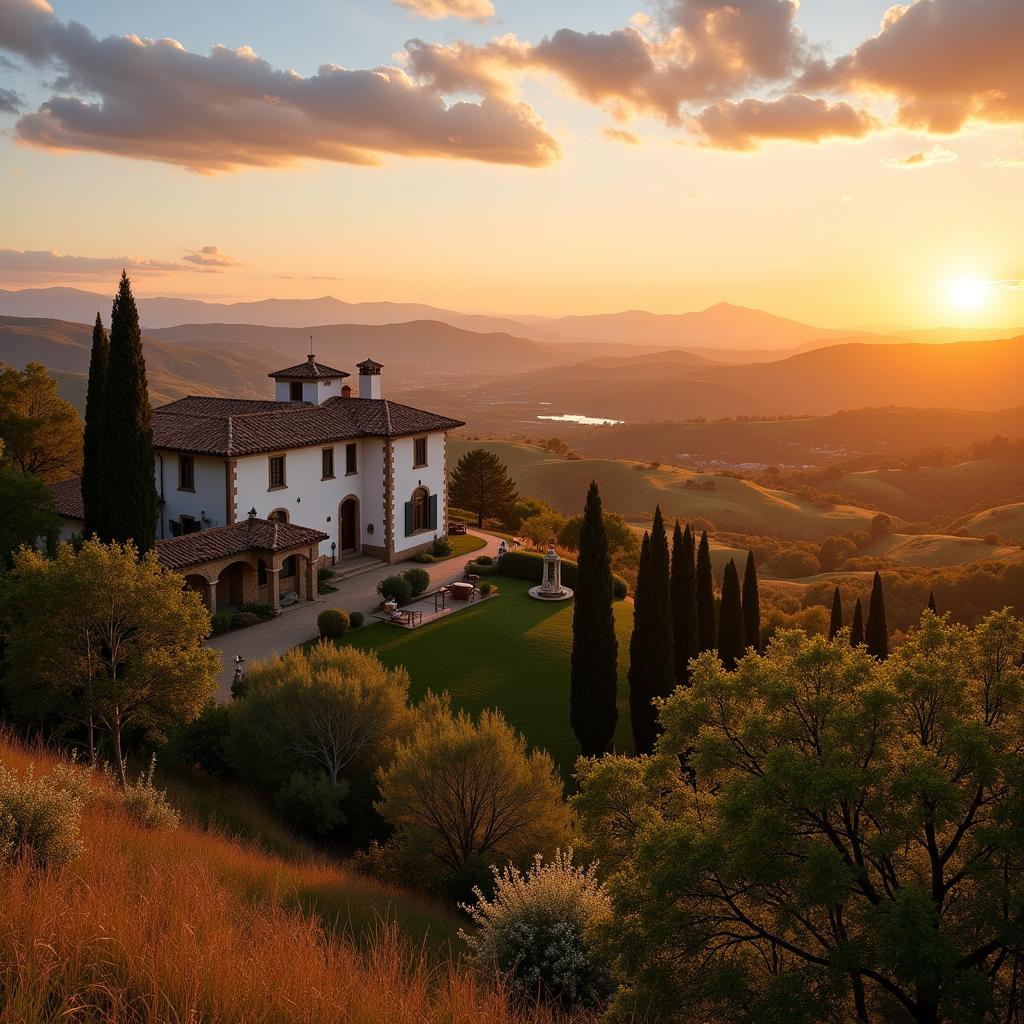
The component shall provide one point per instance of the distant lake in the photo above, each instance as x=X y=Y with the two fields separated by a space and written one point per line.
x=586 y=421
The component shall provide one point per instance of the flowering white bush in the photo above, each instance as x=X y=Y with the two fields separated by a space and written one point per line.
x=147 y=805
x=39 y=818
x=533 y=931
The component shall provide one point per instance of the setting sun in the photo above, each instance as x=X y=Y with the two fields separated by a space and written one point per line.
x=968 y=293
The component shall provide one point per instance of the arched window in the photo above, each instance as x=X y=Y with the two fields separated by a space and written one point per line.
x=420 y=509
x=279 y=515
x=346 y=391
x=289 y=567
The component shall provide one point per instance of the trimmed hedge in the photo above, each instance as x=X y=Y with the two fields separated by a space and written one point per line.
x=529 y=565
x=332 y=623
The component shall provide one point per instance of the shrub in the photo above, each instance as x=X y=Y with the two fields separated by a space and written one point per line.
x=242 y=619
x=356 y=619
x=332 y=623
x=146 y=805
x=528 y=565
x=423 y=557
x=220 y=622
x=481 y=569
x=312 y=804
x=485 y=560
x=201 y=744
x=418 y=579
x=533 y=931
x=324 y=574
x=441 y=547
x=260 y=608
x=486 y=588
x=396 y=588
x=39 y=818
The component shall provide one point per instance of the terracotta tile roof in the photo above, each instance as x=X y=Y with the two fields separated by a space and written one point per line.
x=309 y=370
x=225 y=541
x=67 y=498
x=229 y=428
x=369 y=366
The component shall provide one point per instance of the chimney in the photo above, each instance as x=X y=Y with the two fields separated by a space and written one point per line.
x=369 y=378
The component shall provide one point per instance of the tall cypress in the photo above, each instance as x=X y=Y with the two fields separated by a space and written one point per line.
x=751 y=605
x=131 y=512
x=857 y=626
x=932 y=607
x=876 y=633
x=93 y=489
x=651 y=655
x=684 y=602
x=705 y=597
x=593 y=710
x=836 y=621
x=730 y=620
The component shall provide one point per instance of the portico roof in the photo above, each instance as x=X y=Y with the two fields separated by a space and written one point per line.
x=237 y=539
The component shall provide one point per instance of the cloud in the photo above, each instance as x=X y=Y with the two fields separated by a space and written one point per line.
x=620 y=135
x=10 y=102
x=1006 y=161
x=745 y=125
x=210 y=256
x=477 y=10
x=155 y=100
x=922 y=158
x=945 y=62
x=50 y=262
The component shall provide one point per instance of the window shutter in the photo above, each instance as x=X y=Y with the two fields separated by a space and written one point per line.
x=408 y=519
x=433 y=512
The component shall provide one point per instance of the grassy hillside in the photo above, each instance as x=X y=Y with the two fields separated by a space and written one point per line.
x=151 y=925
x=633 y=490
x=1005 y=520
x=932 y=550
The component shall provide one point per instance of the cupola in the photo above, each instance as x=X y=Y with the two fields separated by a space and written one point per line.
x=369 y=378
x=310 y=381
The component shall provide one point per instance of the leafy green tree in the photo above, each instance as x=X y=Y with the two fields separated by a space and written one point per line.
x=93 y=470
x=593 y=710
x=42 y=433
x=623 y=540
x=857 y=625
x=481 y=484
x=102 y=638
x=130 y=514
x=751 y=605
x=543 y=528
x=465 y=794
x=835 y=623
x=651 y=655
x=26 y=512
x=730 y=619
x=851 y=848
x=876 y=632
x=684 y=601
x=706 y=628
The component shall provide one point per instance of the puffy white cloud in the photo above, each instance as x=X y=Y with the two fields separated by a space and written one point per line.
x=477 y=10
x=210 y=256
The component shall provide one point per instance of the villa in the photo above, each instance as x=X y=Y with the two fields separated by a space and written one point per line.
x=255 y=495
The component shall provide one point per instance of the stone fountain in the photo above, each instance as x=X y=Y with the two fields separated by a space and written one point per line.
x=551 y=588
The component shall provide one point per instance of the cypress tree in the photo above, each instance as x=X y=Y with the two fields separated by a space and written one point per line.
x=684 y=602
x=730 y=620
x=876 y=633
x=857 y=626
x=751 y=606
x=130 y=511
x=705 y=597
x=593 y=711
x=93 y=486
x=932 y=607
x=836 y=622
x=651 y=669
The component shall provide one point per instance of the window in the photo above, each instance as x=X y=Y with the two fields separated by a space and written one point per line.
x=186 y=473
x=279 y=515
x=346 y=391
x=327 y=463
x=276 y=472
x=188 y=524
x=420 y=519
x=295 y=390
x=420 y=452
x=351 y=466
x=288 y=567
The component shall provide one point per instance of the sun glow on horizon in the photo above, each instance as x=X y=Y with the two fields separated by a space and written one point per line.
x=967 y=293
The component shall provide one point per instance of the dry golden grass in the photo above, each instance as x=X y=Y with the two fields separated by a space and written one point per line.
x=188 y=926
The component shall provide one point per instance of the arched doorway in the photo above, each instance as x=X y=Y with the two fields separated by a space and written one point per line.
x=232 y=585
x=348 y=526
x=200 y=584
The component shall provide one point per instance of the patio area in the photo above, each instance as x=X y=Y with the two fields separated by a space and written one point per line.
x=438 y=604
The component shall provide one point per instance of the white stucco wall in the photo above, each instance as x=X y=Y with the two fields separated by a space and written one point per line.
x=209 y=497
x=408 y=478
x=315 y=391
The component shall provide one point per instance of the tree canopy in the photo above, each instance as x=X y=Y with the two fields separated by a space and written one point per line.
x=480 y=483
x=851 y=847
x=26 y=512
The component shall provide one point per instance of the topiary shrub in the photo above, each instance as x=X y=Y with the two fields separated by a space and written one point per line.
x=39 y=818
x=220 y=622
x=332 y=623
x=529 y=565
x=441 y=547
x=146 y=805
x=312 y=804
x=356 y=619
x=487 y=588
x=484 y=560
x=419 y=580
x=533 y=931
x=395 y=588
x=423 y=557
x=480 y=569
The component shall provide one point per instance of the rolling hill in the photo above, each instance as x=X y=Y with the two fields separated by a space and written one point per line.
x=935 y=550
x=1005 y=520
x=633 y=489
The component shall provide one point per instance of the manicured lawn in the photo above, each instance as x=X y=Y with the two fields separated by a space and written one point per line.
x=463 y=546
x=508 y=652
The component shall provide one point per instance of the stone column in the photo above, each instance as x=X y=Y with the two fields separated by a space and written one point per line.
x=274 y=587
x=311 y=564
x=211 y=595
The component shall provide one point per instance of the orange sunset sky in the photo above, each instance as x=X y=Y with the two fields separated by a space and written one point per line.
x=845 y=163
